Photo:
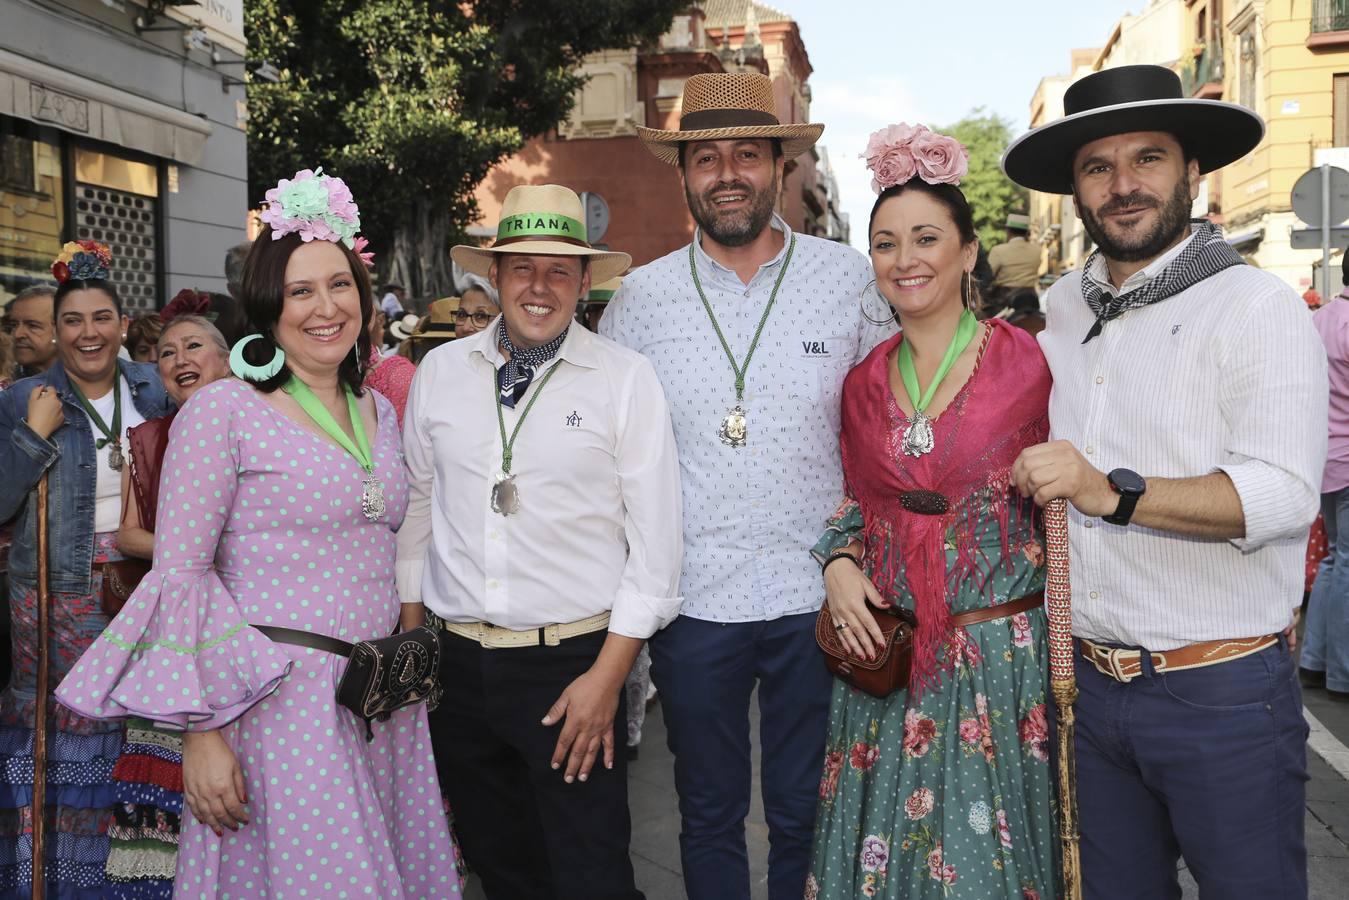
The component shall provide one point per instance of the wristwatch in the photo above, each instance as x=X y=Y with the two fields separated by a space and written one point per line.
x=1130 y=486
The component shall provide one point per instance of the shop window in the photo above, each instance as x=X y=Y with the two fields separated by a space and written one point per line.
x=115 y=204
x=32 y=209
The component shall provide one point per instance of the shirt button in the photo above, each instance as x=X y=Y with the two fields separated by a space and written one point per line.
x=1091 y=450
x=1100 y=380
x=1094 y=595
x=1086 y=524
x=493 y=584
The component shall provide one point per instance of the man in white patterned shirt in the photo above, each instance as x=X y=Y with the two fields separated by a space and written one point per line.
x=759 y=459
x=1173 y=359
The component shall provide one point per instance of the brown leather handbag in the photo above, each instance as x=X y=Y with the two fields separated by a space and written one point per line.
x=119 y=580
x=889 y=671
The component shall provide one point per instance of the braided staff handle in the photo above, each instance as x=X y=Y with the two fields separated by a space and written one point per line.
x=1063 y=682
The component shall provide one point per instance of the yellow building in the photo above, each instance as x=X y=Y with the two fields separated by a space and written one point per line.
x=1289 y=62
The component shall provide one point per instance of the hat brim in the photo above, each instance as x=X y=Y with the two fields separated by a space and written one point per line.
x=441 y=330
x=396 y=329
x=1217 y=133
x=796 y=138
x=603 y=264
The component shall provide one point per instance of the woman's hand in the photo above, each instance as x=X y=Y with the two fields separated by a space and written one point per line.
x=44 y=411
x=848 y=591
x=213 y=783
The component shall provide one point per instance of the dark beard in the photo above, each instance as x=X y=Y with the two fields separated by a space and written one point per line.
x=736 y=229
x=1174 y=218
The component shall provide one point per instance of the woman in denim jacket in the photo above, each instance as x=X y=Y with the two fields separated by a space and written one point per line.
x=70 y=422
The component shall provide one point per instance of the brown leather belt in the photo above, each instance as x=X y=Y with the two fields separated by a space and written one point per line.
x=1000 y=611
x=1125 y=665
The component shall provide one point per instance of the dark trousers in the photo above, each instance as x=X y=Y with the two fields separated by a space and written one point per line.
x=523 y=830
x=705 y=673
x=1207 y=763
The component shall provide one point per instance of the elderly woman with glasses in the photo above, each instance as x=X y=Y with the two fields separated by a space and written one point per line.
x=477 y=308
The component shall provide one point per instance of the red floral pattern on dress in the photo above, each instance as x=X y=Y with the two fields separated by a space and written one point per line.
x=392 y=377
x=919 y=732
x=863 y=756
x=833 y=766
x=1034 y=731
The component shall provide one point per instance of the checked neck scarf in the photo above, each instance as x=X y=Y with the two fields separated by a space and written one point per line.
x=1207 y=253
x=514 y=377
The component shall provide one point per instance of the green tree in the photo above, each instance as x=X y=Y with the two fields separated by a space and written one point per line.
x=991 y=194
x=412 y=102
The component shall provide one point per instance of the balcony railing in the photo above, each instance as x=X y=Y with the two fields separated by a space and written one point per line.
x=1330 y=15
x=1206 y=68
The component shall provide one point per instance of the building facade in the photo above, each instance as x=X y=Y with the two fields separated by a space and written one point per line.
x=122 y=123
x=597 y=151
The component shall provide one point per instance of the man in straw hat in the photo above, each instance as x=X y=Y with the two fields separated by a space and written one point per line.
x=1188 y=420
x=751 y=329
x=543 y=537
x=1015 y=262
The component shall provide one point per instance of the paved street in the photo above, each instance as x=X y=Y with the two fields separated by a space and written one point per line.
x=655 y=819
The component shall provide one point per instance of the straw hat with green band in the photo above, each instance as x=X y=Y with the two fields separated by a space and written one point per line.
x=542 y=220
x=604 y=291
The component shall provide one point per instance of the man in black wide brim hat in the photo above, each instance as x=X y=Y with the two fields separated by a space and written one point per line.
x=1173 y=359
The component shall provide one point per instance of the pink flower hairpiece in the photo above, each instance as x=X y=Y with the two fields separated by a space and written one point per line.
x=898 y=153
x=314 y=206
x=367 y=256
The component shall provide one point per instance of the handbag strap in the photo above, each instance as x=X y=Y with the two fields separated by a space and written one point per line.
x=308 y=639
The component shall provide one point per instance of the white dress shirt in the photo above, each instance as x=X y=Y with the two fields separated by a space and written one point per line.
x=599 y=525
x=752 y=514
x=1228 y=375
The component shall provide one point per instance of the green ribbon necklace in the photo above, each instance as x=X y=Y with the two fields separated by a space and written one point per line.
x=505 y=492
x=918 y=437
x=734 y=430
x=111 y=434
x=372 y=489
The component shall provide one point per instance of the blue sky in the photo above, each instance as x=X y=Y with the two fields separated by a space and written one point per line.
x=882 y=62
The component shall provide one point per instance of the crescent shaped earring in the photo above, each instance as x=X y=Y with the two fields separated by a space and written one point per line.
x=249 y=372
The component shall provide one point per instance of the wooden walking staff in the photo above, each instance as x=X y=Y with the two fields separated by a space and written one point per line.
x=40 y=707
x=1063 y=682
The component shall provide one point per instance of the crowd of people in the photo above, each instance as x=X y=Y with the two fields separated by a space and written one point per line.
x=764 y=445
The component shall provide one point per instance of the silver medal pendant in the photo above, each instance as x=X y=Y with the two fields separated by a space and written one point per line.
x=918 y=436
x=505 y=495
x=734 y=429
x=115 y=458
x=372 y=498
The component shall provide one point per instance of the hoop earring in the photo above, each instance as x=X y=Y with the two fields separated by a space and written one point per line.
x=967 y=290
x=249 y=372
x=862 y=301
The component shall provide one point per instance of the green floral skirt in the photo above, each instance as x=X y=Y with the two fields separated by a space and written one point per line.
x=950 y=794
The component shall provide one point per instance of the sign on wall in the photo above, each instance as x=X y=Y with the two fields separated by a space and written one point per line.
x=222 y=20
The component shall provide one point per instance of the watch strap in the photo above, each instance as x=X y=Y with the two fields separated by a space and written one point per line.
x=1124 y=512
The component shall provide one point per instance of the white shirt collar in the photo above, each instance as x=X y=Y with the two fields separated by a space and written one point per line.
x=1099 y=273
x=777 y=223
x=578 y=348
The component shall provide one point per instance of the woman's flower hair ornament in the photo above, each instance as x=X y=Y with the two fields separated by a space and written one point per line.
x=367 y=256
x=898 y=153
x=83 y=261
x=314 y=206
x=187 y=302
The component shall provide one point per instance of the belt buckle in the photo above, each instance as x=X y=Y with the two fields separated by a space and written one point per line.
x=551 y=635
x=1116 y=658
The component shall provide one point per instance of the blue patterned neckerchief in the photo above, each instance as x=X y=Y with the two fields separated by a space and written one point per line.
x=514 y=377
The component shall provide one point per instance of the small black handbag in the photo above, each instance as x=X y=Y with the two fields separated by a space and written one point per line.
x=382 y=675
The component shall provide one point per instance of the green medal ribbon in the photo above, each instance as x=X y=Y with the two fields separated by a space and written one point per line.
x=315 y=409
x=111 y=435
x=965 y=331
x=508 y=446
x=741 y=368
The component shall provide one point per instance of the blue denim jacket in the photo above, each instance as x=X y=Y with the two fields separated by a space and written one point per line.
x=69 y=455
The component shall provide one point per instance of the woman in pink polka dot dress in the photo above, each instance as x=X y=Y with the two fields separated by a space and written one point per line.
x=261 y=522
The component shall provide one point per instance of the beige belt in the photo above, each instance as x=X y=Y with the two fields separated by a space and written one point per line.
x=494 y=637
x=1126 y=665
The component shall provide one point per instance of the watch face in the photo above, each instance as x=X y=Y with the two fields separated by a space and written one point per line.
x=1126 y=481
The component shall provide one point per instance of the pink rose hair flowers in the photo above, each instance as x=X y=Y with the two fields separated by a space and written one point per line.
x=898 y=153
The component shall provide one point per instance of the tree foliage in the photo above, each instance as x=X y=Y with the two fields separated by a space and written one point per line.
x=412 y=102
x=990 y=193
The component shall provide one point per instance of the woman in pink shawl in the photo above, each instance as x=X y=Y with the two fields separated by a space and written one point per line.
x=946 y=782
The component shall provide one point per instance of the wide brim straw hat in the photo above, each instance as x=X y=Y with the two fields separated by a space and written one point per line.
x=403 y=328
x=723 y=106
x=1122 y=100
x=439 y=320
x=542 y=220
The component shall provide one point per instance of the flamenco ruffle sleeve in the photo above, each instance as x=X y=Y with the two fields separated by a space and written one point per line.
x=180 y=652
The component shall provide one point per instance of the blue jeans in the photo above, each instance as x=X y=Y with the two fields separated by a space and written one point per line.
x=705 y=673
x=1325 y=641
x=1208 y=763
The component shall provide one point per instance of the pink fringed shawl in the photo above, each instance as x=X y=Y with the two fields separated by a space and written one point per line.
x=1001 y=409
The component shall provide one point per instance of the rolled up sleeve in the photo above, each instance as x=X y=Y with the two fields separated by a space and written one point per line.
x=648 y=472
x=1274 y=397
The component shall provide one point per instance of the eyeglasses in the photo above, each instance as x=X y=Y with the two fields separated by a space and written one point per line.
x=480 y=318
